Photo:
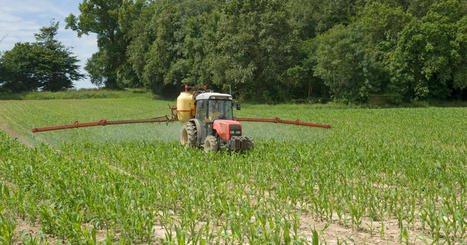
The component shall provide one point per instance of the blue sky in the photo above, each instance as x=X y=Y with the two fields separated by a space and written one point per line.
x=20 y=19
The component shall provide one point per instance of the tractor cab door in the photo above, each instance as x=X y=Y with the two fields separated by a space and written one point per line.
x=202 y=110
x=202 y=117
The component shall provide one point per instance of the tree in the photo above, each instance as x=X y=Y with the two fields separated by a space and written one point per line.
x=3 y=71
x=277 y=50
x=171 y=47
x=141 y=34
x=256 y=45
x=429 y=60
x=340 y=62
x=20 y=68
x=312 y=17
x=45 y=64
x=381 y=24
x=102 y=17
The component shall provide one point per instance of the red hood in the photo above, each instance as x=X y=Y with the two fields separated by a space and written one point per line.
x=222 y=127
x=228 y=122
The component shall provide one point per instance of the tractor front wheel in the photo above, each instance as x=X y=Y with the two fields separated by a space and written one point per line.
x=211 y=144
x=188 y=135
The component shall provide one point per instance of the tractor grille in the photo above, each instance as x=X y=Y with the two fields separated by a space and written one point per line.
x=240 y=143
x=235 y=130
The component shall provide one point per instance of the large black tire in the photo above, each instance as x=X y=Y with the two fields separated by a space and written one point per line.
x=211 y=144
x=188 y=135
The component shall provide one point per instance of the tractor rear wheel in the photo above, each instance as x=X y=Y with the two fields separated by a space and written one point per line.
x=188 y=135
x=211 y=144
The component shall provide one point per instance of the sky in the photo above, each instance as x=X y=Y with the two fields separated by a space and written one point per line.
x=20 y=19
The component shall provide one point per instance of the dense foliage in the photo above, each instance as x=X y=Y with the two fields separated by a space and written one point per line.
x=45 y=64
x=281 y=49
x=379 y=176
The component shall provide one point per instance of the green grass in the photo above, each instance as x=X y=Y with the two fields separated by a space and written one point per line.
x=376 y=168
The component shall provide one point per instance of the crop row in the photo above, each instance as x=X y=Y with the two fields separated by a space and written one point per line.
x=133 y=190
x=375 y=167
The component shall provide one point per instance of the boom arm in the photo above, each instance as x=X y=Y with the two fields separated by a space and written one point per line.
x=278 y=120
x=173 y=118
x=104 y=122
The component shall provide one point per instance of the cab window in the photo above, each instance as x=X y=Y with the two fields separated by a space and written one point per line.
x=201 y=109
x=220 y=109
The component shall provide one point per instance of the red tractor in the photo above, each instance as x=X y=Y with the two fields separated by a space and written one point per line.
x=213 y=125
x=207 y=119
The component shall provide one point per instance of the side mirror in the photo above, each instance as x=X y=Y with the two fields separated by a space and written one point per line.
x=238 y=106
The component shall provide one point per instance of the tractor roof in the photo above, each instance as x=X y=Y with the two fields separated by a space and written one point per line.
x=214 y=96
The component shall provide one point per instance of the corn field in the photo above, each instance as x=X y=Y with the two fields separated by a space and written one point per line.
x=378 y=176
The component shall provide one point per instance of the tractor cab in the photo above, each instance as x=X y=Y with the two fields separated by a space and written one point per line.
x=215 y=116
x=213 y=106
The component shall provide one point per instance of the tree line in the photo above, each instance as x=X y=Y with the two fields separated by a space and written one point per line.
x=281 y=50
x=45 y=64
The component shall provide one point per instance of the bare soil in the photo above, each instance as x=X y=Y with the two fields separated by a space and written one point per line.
x=334 y=232
x=24 y=227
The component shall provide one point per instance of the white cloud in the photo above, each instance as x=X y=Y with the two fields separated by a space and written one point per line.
x=19 y=20
x=57 y=8
x=15 y=29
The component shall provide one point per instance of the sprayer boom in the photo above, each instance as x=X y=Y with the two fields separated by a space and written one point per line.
x=207 y=119
x=278 y=120
x=104 y=122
